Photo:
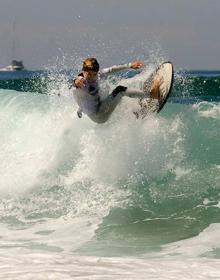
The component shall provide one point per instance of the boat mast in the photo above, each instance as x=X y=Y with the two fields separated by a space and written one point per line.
x=13 y=41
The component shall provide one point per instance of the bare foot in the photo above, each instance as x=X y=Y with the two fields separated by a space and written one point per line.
x=155 y=89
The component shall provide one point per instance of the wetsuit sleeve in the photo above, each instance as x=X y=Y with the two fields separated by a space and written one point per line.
x=115 y=68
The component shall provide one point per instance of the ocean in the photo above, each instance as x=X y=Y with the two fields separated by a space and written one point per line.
x=128 y=199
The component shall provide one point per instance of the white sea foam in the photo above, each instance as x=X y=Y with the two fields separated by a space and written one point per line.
x=30 y=135
x=44 y=144
x=64 y=234
x=208 y=109
x=206 y=244
x=24 y=265
x=35 y=135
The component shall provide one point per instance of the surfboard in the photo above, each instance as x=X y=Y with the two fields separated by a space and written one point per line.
x=157 y=87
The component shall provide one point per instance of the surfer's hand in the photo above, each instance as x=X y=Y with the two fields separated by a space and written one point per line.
x=79 y=83
x=137 y=64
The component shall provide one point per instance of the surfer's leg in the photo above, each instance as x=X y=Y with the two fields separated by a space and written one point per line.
x=107 y=106
x=130 y=92
x=135 y=93
x=154 y=91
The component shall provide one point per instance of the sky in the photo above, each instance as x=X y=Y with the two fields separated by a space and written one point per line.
x=55 y=33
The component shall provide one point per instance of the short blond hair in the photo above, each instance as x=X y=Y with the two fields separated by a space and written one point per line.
x=91 y=64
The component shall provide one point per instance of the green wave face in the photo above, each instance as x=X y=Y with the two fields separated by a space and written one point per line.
x=135 y=185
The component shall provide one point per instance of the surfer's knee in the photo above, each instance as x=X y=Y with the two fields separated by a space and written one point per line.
x=117 y=90
x=99 y=118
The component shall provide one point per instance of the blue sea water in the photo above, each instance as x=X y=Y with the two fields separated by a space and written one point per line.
x=128 y=199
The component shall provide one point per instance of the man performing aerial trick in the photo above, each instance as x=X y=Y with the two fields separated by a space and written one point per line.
x=87 y=93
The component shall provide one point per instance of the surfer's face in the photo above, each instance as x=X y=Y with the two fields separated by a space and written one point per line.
x=90 y=76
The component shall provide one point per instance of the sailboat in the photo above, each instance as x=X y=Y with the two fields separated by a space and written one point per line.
x=16 y=65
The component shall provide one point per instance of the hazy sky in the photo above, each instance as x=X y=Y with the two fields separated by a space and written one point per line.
x=59 y=33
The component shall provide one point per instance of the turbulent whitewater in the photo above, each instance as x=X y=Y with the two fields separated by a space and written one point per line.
x=122 y=200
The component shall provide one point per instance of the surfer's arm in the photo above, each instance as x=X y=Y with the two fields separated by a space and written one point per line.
x=116 y=68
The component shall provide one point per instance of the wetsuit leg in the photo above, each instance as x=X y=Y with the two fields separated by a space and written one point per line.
x=135 y=93
x=108 y=105
x=130 y=92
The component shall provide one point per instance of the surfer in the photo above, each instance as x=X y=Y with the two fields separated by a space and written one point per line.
x=87 y=93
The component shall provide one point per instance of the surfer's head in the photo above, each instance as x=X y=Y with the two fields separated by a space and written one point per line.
x=90 y=64
x=90 y=69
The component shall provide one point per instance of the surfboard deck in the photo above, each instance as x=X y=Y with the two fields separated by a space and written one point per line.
x=162 y=77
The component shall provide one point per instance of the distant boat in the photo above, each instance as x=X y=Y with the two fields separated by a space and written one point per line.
x=15 y=65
